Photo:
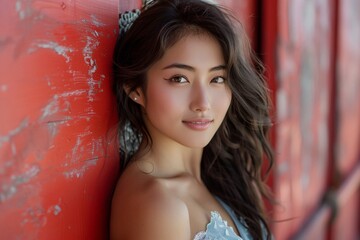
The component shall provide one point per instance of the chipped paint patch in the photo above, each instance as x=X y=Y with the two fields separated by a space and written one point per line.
x=79 y=172
x=8 y=190
x=91 y=45
x=96 y=146
x=96 y=21
x=51 y=108
x=20 y=10
x=35 y=215
x=60 y=50
x=56 y=209
x=12 y=133
x=53 y=125
x=75 y=155
x=73 y=93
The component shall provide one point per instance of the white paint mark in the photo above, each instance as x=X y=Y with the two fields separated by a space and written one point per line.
x=51 y=108
x=53 y=125
x=18 y=8
x=9 y=189
x=91 y=45
x=75 y=155
x=60 y=50
x=73 y=93
x=95 y=33
x=78 y=173
x=56 y=209
x=96 y=21
x=97 y=145
x=6 y=138
x=35 y=215
x=27 y=176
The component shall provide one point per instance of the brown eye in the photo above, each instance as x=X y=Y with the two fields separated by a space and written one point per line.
x=218 y=79
x=178 y=79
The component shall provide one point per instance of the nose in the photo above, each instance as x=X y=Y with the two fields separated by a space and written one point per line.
x=200 y=101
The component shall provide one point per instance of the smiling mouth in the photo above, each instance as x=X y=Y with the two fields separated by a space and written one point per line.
x=198 y=125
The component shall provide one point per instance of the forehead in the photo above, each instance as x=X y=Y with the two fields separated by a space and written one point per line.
x=198 y=49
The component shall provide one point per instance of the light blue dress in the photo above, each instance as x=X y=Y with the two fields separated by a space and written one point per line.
x=217 y=229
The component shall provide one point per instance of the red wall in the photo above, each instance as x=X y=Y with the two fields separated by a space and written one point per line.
x=56 y=109
x=302 y=112
x=57 y=160
x=312 y=52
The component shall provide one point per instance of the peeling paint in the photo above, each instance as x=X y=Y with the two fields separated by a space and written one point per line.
x=8 y=190
x=6 y=138
x=75 y=156
x=79 y=172
x=36 y=142
x=56 y=209
x=91 y=45
x=95 y=33
x=26 y=12
x=35 y=215
x=51 y=108
x=96 y=146
x=73 y=93
x=96 y=21
x=53 y=125
x=60 y=50
x=20 y=10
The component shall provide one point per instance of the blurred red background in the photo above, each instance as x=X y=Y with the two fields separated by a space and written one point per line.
x=58 y=164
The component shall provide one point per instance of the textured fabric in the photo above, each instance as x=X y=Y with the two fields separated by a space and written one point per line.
x=218 y=229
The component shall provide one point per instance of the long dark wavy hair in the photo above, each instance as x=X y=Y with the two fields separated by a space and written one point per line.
x=231 y=164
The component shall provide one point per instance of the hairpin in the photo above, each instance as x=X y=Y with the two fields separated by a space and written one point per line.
x=126 y=20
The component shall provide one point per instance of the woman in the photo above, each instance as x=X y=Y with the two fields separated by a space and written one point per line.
x=194 y=115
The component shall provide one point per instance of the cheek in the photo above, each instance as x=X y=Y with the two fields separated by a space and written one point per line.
x=161 y=100
x=223 y=100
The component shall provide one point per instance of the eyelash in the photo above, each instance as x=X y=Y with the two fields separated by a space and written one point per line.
x=223 y=80
x=176 y=78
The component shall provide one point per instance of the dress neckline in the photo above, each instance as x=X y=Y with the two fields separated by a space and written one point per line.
x=217 y=229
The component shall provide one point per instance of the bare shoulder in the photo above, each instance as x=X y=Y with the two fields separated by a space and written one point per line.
x=144 y=207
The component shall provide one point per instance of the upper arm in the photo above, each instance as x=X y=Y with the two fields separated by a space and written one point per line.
x=149 y=216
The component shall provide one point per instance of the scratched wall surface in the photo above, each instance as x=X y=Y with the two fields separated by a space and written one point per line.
x=347 y=151
x=303 y=77
x=56 y=164
x=348 y=86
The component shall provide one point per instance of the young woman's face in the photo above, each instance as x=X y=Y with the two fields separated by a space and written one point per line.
x=187 y=95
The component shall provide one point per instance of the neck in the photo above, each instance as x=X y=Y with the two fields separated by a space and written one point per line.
x=170 y=159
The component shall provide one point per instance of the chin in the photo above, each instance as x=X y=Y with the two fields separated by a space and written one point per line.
x=197 y=144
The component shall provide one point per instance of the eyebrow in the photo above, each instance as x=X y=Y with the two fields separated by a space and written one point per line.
x=190 y=68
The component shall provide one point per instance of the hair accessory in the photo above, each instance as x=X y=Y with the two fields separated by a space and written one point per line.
x=126 y=20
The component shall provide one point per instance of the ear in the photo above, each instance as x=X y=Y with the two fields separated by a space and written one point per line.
x=136 y=95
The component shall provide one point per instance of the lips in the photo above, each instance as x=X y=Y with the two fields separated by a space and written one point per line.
x=198 y=124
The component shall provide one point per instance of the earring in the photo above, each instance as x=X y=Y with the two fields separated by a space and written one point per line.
x=135 y=98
